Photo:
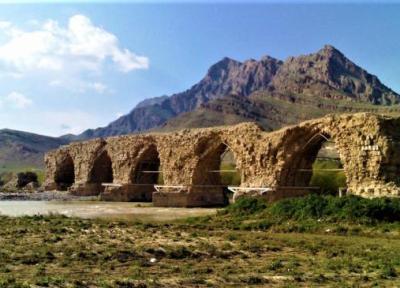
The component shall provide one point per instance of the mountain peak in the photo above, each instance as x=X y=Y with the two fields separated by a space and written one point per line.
x=329 y=47
x=224 y=63
x=330 y=74
x=330 y=51
x=267 y=58
x=325 y=75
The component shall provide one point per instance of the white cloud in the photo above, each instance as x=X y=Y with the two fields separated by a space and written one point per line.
x=55 y=83
x=98 y=87
x=10 y=74
x=16 y=100
x=5 y=24
x=78 y=47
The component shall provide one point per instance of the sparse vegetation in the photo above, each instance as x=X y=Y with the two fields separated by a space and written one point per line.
x=293 y=243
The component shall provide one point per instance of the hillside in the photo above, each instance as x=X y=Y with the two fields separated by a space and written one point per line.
x=269 y=111
x=262 y=91
x=22 y=149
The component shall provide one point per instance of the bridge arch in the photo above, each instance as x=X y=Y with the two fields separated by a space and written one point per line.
x=146 y=173
x=303 y=149
x=101 y=171
x=210 y=177
x=64 y=176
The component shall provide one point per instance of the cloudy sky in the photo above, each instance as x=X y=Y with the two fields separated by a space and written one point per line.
x=68 y=67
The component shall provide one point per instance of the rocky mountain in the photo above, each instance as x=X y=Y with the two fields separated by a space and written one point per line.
x=263 y=88
x=329 y=74
x=23 y=149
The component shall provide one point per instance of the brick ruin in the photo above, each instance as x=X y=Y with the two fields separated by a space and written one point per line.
x=368 y=145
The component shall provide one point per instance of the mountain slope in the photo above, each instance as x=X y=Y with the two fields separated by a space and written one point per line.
x=23 y=149
x=329 y=74
x=269 y=111
x=325 y=75
x=223 y=78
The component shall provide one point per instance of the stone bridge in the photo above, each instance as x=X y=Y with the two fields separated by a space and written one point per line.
x=368 y=145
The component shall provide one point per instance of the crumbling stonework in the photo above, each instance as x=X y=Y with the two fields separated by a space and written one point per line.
x=368 y=145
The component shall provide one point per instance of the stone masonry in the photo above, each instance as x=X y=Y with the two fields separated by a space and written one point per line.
x=368 y=145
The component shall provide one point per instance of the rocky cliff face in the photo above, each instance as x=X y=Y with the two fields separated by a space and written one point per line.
x=329 y=74
x=325 y=75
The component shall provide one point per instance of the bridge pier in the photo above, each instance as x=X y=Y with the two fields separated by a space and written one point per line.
x=128 y=193
x=190 y=197
x=86 y=189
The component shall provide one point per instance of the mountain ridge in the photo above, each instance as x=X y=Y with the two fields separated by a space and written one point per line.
x=328 y=73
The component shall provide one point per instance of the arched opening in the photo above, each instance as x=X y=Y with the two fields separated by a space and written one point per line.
x=228 y=171
x=65 y=174
x=327 y=170
x=147 y=174
x=316 y=168
x=215 y=172
x=102 y=171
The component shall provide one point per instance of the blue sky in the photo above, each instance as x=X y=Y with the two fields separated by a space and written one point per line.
x=68 y=67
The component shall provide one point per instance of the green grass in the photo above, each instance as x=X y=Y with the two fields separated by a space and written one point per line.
x=313 y=213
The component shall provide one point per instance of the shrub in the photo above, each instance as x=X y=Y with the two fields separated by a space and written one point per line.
x=313 y=207
x=246 y=206
x=350 y=208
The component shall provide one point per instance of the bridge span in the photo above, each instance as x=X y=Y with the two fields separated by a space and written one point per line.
x=127 y=168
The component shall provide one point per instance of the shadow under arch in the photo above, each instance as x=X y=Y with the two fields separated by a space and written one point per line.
x=307 y=170
x=209 y=181
x=65 y=173
x=101 y=171
x=146 y=174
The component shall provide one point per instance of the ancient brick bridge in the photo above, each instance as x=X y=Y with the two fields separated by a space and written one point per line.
x=368 y=145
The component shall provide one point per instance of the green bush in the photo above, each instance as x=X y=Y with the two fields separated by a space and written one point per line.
x=348 y=208
x=246 y=206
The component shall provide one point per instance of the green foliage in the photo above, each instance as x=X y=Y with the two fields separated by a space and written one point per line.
x=313 y=207
x=246 y=206
x=328 y=181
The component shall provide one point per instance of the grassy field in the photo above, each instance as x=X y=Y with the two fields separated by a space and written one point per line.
x=249 y=243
